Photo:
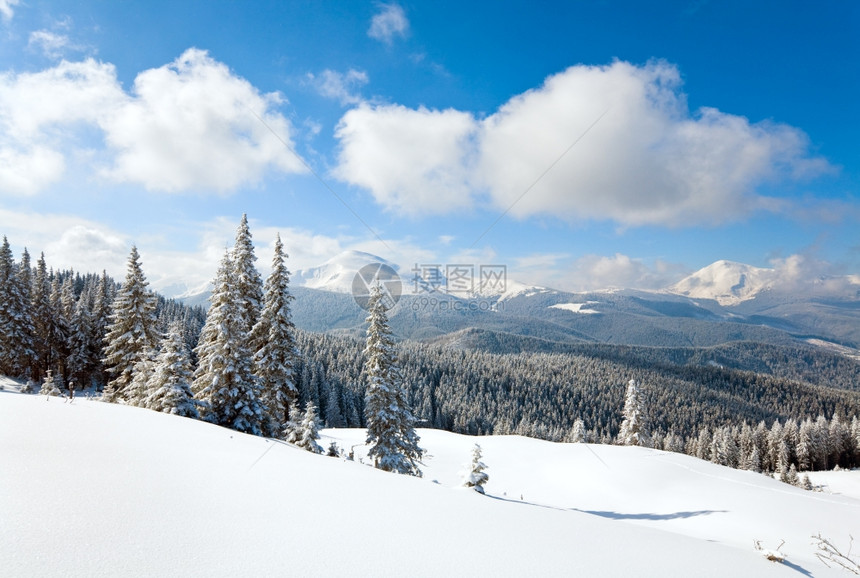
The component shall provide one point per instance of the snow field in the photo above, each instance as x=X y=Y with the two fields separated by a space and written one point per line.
x=95 y=489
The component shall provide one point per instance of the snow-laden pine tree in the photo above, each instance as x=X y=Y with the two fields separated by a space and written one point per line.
x=634 y=431
x=310 y=431
x=274 y=344
x=170 y=384
x=81 y=360
x=27 y=347
x=577 y=434
x=138 y=388
x=16 y=339
x=44 y=321
x=102 y=309
x=249 y=285
x=293 y=429
x=333 y=412
x=390 y=425
x=49 y=386
x=132 y=329
x=476 y=477
x=61 y=327
x=224 y=380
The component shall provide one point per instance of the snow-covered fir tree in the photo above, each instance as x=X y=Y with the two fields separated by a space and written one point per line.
x=634 y=431
x=102 y=308
x=49 y=385
x=249 y=285
x=170 y=384
x=333 y=412
x=81 y=360
x=476 y=477
x=61 y=327
x=16 y=330
x=274 y=344
x=390 y=424
x=293 y=429
x=310 y=431
x=44 y=321
x=578 y=433
x=224 y=380
x=138 y=389
x=132 y=329
x=27 y=346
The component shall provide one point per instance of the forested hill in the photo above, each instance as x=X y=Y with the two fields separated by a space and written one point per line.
x=542 y=394
x=797 y=362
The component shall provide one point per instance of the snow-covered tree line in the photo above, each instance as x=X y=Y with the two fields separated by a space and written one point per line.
x=239 y=370
x=57 y=321
x=804 y=445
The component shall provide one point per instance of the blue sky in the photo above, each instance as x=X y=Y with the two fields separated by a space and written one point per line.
x=582 y=144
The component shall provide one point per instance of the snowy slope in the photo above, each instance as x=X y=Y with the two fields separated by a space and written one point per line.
x=92 y=489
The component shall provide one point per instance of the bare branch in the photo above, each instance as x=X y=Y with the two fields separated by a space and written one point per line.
x=828 y=552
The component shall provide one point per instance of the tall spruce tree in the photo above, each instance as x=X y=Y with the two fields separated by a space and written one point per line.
x=390 y=424
x=16 y=345
x=634 y=431
x=309 y=431
x=81 y=361
x=44 y=320
x=224 y=380
x=27 y=344
x=273 y=341
x=170 y=385
x=249 y=285
x=132 y=330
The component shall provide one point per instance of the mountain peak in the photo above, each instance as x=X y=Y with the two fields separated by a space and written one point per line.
x=337 y=273
x=726 y=282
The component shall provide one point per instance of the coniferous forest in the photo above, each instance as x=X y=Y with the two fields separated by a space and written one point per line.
x=243 y=364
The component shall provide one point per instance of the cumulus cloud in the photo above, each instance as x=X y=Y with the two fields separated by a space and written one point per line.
x=192 y=124
x=189 y=125
x=388 y=23
x=413 y=161
x=69 y=242
x=343 y=87
x=6 y=11
x=804 y=273
x=38 y=114
x=614 y=142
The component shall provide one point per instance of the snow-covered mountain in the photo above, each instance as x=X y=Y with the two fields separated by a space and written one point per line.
x=730 y=283
x=337 y=273
x=726 y=282
x=124 y=491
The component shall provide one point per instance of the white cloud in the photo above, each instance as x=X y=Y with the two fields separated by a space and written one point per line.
x=69 y=242
x=25 y=172
x=6 y=11
x=806 y=274
x=343 y=87
x=191 y=125
x=648 y=160
x=592 y=272
x=51 y=44
x=39 y=113
x=389 y=22
x=412 y=161
x=89 y=248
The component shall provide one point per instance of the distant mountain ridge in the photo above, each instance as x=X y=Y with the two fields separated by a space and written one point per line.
x=722 y=303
